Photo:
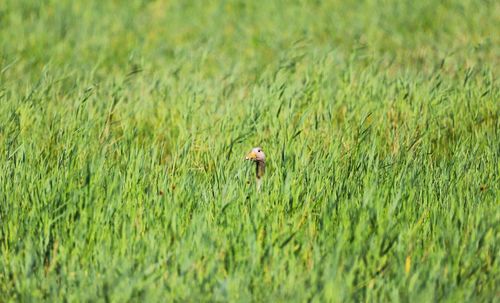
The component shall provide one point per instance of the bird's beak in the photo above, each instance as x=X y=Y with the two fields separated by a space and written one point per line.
x=251 y=156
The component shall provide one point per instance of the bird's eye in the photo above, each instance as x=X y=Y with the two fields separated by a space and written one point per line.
x=259 y=150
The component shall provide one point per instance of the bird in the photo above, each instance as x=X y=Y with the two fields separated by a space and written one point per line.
x=257 y=155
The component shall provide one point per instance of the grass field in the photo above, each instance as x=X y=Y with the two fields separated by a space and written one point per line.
x=124 y=125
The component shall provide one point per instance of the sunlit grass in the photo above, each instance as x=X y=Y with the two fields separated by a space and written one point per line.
x=124 y=125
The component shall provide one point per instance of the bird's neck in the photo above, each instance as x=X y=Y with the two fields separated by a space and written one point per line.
x=260 y=169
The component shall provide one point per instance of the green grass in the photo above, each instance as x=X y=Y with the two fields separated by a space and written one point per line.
x=124 y=124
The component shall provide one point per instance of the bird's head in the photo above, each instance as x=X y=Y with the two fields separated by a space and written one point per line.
x=256 y=155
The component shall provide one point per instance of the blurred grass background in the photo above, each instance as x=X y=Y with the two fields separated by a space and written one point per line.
x=123 y=125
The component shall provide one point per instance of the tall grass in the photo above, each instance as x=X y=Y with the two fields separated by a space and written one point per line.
x=123 y=127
